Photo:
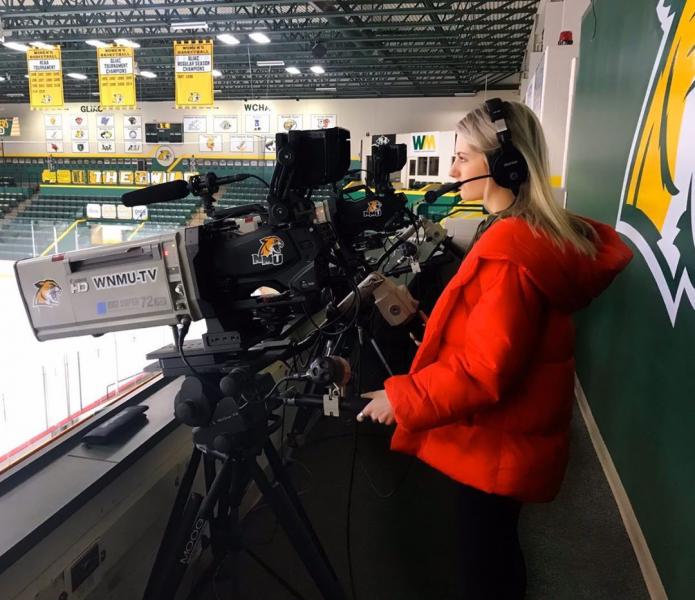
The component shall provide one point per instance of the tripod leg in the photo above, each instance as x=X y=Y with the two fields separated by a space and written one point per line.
x=283 y=479
x=189 y=535
x=166 y=547
x=301 y=540
x=216 y=544
x=230 y=533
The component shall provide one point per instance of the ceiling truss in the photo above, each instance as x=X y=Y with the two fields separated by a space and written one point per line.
x=386 y=49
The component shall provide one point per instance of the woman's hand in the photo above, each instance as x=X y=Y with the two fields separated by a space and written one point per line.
x=379 y=409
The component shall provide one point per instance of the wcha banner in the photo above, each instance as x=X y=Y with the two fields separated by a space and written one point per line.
x=45 y=78
x=193 y=70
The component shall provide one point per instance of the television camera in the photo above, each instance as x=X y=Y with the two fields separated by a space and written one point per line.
x=261 y=275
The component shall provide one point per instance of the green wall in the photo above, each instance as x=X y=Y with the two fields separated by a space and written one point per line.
x=636 y=366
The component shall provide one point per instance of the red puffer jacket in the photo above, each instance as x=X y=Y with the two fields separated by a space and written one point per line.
x=488 y=399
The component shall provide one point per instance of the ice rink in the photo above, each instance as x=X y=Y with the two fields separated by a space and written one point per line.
x=42 y=383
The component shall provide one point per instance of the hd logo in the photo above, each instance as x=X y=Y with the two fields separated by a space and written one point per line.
x=656 y=208
x=270 y=252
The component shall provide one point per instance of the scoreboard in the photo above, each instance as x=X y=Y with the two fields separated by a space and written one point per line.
x=156 y=133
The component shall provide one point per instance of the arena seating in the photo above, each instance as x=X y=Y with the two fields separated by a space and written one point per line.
x=35 y=226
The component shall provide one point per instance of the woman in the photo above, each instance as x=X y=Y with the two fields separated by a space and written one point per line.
x=489 y=396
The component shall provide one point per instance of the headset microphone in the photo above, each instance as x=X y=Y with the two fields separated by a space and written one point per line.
x=432 y=195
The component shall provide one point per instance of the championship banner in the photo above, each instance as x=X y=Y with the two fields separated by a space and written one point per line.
x=193 y=68
x=116 y=77
x=9 y=127
x=45 y=78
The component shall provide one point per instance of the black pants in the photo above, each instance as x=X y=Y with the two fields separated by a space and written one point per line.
x=493 y=565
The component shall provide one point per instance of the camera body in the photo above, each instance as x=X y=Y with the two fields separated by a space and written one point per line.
x=217 y=271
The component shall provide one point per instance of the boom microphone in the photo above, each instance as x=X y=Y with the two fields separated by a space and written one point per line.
x=432 y=195
x=164 y=192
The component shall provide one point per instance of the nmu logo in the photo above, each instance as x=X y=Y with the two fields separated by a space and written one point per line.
x=373 y=209
x=270 y=252
x=424 y=142
x=656 y=207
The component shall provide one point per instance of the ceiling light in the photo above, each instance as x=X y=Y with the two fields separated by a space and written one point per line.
x=318 y=69
x=42 y=45
x=97 y=43
x=126 y=43
x=465 y=94
x=216 y=73
x=293 y=70
x=25 y=75
x=15 y=95
x=227 y=38
x=270 y=63
x=96 y=93
x=2 y=78
x=16 y=46
x=189 y=25
x=79 y=76
x=259 y=38
x=326 y=89
x=148 y=74
x=217 y=91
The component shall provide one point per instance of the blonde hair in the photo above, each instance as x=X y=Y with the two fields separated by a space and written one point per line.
x=534 y=203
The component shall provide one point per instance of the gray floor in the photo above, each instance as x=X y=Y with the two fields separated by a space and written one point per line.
x=402 y=545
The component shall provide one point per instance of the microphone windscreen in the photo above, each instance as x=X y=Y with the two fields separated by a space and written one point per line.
x=432 y=195
x=164 y=192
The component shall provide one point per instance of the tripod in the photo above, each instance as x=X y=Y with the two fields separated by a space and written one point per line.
x=233 y=419
x=225 y=489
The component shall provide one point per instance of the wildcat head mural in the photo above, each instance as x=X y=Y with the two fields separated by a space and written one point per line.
x=656 y=209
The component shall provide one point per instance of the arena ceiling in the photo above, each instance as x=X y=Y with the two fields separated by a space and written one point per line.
x=385 y=49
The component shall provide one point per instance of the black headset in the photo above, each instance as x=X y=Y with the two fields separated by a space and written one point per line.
x=508 y=166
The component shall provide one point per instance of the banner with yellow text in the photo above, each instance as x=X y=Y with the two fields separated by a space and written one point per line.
x=9 y=126
x=193 y=67
x=45 y=78
x=116 y=77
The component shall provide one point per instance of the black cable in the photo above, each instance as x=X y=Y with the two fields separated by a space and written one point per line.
x=388 y=253
x=284 y=410
x=414 y=221
x=386 y=495
x=263 y=504
x=459 y=208
x=179 y=337
x=214 y=580
x=281 y=580
x=450 y=213
x=277 y=383
x=593 y=12
x=357 y=302
x=263 y=181
x=301 y=343
x=322 y=328
x=337 y=436
x=311 y=351
x=351 y=482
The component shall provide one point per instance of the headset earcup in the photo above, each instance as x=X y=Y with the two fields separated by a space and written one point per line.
x=496 y=172
x=508 y=168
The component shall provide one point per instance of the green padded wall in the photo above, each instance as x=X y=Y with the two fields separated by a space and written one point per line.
x=635 y=359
